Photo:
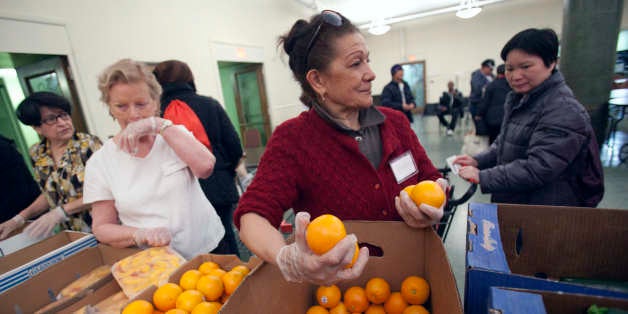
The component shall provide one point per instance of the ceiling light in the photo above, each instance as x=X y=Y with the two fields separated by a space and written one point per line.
x=379 y=28
x=468 y=9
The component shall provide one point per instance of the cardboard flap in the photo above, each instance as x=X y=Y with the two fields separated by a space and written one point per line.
x=514 y=302
x=485 y=247
x=559 y=241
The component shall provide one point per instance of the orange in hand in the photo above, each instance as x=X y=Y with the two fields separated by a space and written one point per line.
x=324 y=232
x=428 y=192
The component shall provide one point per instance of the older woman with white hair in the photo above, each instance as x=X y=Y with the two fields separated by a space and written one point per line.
x=143 y=182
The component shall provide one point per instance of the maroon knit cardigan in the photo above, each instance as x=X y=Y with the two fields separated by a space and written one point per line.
x=310 y=166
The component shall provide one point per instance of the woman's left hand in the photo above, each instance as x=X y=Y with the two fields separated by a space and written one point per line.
x=423 y=215
x=130 y=136
x=470 y=173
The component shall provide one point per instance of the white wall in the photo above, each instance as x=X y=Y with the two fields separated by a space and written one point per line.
x=101 y=32
x=452 y=48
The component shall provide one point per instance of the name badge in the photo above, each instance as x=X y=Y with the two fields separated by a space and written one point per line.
x=403 y=167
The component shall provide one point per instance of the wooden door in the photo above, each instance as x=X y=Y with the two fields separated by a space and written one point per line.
x=53 y=75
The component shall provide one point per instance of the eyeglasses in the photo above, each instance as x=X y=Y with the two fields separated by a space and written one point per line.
x=51 y=120
x=329 y=17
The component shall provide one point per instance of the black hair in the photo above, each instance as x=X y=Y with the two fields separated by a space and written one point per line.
x=501 y=69
x=488 y=63
x=28 y=110
x=539 y=42
x=295 y=45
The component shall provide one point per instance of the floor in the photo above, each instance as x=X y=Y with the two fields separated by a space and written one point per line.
x=439 y=146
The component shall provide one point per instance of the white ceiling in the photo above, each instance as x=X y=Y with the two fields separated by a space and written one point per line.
x=365 y=11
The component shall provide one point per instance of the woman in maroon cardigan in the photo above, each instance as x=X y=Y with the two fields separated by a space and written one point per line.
x=343 y=157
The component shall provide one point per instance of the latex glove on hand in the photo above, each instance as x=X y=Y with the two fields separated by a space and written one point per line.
x=44 y=225
x=299 y=264
x=10 y=225
x=152 y=237
x=134 y=131
x=423 y=215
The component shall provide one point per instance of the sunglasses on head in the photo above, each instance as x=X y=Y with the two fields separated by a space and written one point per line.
x=327 y=17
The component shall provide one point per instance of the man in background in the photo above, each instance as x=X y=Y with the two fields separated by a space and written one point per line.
x=397 y=94
x=479 y=79
x=450 y=103
x=491 y=109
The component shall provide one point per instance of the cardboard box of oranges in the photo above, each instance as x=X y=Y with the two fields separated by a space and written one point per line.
x=196 y=281
x=402 y=251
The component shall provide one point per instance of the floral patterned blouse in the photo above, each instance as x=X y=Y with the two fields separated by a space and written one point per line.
x=64 y=183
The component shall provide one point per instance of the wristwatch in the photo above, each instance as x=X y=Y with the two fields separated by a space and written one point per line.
x=164 y=125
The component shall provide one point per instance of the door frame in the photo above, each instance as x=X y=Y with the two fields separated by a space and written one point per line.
x=38 y=35
x=261 y=86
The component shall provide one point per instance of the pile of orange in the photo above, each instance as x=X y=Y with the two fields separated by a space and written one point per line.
x=324 y=232
x=200 y=291
x=376 y=297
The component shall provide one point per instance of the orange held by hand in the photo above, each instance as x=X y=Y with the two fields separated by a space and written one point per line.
x=428 y=192
x=324 y=232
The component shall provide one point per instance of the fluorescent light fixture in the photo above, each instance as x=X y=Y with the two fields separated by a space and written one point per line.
x=379 y=28
x=412 y=16
x=468 y=9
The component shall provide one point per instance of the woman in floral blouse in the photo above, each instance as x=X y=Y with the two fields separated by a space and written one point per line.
x=59 y=166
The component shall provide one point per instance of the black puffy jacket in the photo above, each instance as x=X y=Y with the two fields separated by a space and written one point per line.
x=543 y=135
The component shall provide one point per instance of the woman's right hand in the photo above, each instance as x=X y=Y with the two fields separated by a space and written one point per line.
x=152 y=237
x=466 y=160
x=298 y=263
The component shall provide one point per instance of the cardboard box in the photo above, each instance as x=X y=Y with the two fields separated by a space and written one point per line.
x=523 y=301
x=226 y=262
x=22 y=265
x=93 y=297
x=405 y=251
x=532 y=247
x=33 y=295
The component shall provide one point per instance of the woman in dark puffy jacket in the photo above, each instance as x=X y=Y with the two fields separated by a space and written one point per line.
x=544 y=149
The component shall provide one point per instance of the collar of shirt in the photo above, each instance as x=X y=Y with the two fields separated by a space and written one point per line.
x=368 y=117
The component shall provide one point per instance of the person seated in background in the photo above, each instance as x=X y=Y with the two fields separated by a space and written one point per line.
x=58 y=166
x=450 y=103
x=397 y=94
x=177 y=83
x=340 y=157
x=17 y=185
x=143 y=182
x=547 y=145
x=491 y=109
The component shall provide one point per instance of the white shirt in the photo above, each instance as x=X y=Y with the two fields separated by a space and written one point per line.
x=158 y=190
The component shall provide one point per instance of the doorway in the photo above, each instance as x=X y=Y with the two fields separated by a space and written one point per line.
x=244 y=93
x=23 y=74
x=414 y=74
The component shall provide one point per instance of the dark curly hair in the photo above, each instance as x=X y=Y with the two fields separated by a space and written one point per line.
x=322 y=52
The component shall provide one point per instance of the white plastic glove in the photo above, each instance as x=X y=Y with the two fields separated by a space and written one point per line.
x=130 y=136
x=423 y=215
x=298 y=263
x=10 y=225
x=152 y=237
x=44 y=225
